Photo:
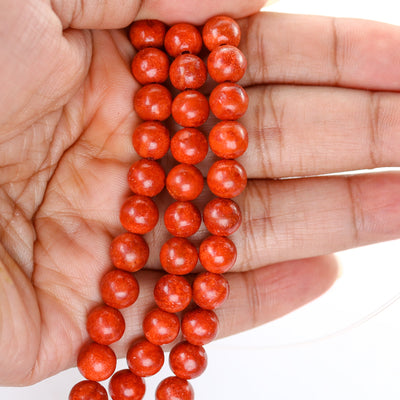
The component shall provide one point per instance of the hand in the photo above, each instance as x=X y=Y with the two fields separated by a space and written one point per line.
x=66 y=122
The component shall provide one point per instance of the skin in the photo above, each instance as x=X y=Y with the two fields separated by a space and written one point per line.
x=323 y=98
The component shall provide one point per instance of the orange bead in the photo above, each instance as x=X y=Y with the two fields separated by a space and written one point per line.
x=174 y=388
x=185 y=182
x=182 y=38
x=125 y=385
x=189 y=146
x=217 y=254
x=161 y=327
x=182 y=219
x=146 y=177
x=190 y=109
x=178 y=256
x=145 y=358
x=153 y=102
x=188 y=71
x=200 y=327
x=221 y=30
x=88 y=390
x=147 y=33
x=210 y=290
x=150 y=66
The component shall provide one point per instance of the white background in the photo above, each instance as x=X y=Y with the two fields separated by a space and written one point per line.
x=329 y=349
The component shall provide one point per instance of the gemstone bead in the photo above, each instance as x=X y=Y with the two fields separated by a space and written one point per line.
x=210 y=290
x=199 y=326
x=190 y=109
x=222 y=217
x=189 y=146
x=161 y=327
x=174 y=388
x=182 y=219
x=153 y=102
x=150 y=65
x=146 y=177
x=188 y=71
x=145 y=358
x=182 y=38
x=221 y=30
x=125 y=385
x=147 y=33
x=139 y=214
x=88 y=390
x=172 y=293
x=217 y=254
x=178 y=256
x=185 y=182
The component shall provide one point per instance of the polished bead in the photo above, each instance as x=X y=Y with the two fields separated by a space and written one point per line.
x=182 y=38
x=172 y=293
x=119 y=289
x=96 y=362
x=153 y=102
x=228 y=139
x=190 y=109
x=227 y=178
x=151 y=140
x=210 y=290
x=174 y=388
x=88 y=390
x=229 y=101
x=160 y=327
x=188 y=71
x=200 y=326
x=105 y=325
x=125 y=385
x=139 y=214
x=146 y=177
x=184 y=182
x=222 y=217
x=187 y=361
x=221 y=30
x=182 y=219
x=189 y=146
x=217 y=254
x=147 y=33
x=150 y=66
x=145 y=358
x=178 y=256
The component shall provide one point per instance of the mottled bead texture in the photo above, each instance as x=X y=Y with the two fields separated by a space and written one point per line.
x=190 y=109
x=153 y=102
x=174 y=388
x=210 y=290
x=88 y=390
x=161 y=327
x=200 y=327
x=125 y=385
x=183 y=38
x=146 y=177
x=188 y=71
x=178 y=256
x=145 y=358
x=189 y=146
x=185 y=182
x=221 y=30
x=147 y=33
x=182 y=219
x=150 y=66
x=217 y=254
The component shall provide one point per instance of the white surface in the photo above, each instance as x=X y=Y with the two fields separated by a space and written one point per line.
x=300 y=356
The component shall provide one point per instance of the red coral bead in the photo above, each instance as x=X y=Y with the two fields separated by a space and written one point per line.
x=145 y=358
x=147 y=33
x=88 y=390
x=182 y=38
x=227 y=178
x=190 y=109
x=188 y=71
x=125 y=385
x=221 y=30
x=217 y=254
x=150 y=66
x=96 y=362
x=178 y=256
x=189 y=146
x=222 y=217
x=119 y=289
x=146 y=177
x=182 y=219
x=210 y=290
x=172 y=293
x=229 y=101
x=187 y=361
x=200 y=326
x=153 y=102
x=185 y=182
x=151 y=140
x=174 y=388
x=139 y=214
x=161 y=327
x=228 y=139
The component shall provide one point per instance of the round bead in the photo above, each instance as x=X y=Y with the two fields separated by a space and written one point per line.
x=172 y=293
x=190 y=109
x=185 y=182
x=88 y=390
x=147 y=33
x=105 y=325
x=229 y=101
x=187 y=361
x=96 y=362
x=129 y=252
x=150 y=66
x=161 y=327
x=227 y=178
x=217 y=254
x=221 y=30
x=228 y=139
x=174 y=388
x=151 y=140
x=145 y=358
x=182 y=219
x=146 y=177
x=200 y=326
x=124 y=385
x=189 y=146
x=178 y=256
x=222 y=217
x=119 y=289
x=210 y=290
x=139 y=214
x=153 y=102
x=188 y=71
x=183 y=38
